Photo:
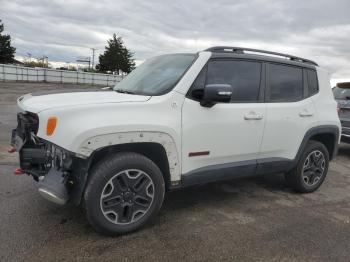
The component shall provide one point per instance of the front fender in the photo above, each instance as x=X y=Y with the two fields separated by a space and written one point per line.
x=97 y=142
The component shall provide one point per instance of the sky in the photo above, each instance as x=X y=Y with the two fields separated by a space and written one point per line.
x=64 y=30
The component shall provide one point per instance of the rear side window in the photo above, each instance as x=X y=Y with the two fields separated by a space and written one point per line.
x=286 y=83
x=312 y=82
x=243 y=76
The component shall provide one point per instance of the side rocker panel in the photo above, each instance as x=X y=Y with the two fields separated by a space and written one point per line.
x=94 y=143
x=234 y=170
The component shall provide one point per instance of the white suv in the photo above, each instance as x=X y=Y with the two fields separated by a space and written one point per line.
x=175 y=121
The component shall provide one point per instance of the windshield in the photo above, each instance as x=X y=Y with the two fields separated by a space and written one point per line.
x=341 y=93
x=157 y=75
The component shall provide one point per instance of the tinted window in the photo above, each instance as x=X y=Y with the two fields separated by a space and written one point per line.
x=286 y=83
x=200 y=80
x=312 y=82
x=243 y=76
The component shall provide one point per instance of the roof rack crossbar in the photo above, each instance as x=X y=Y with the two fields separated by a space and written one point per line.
x=240 y=50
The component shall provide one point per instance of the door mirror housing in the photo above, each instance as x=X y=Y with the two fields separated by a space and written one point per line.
x=216 y=93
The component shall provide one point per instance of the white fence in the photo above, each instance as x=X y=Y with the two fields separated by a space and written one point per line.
x=28 y=74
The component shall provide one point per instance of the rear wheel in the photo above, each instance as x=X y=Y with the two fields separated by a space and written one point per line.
x=124 y=192
x=311 y=169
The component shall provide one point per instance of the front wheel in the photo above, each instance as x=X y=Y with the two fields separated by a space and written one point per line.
x=124 y=192
x=311 y=169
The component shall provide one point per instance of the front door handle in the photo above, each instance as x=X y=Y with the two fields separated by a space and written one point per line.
x=305 y=113
x=253 y=116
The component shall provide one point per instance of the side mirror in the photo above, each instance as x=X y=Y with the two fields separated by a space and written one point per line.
x=216 y=93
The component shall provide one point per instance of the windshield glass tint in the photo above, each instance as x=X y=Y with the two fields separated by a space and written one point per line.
x=341 y=93
x=157 y=75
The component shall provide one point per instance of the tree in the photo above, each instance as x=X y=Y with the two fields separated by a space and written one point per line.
x=116 y=57
x=38 y=63
x=7 y=52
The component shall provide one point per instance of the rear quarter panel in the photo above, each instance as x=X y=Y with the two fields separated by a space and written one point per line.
x=324 y=101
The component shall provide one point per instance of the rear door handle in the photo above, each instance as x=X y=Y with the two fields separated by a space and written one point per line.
x=305 y=113
x=253 y=116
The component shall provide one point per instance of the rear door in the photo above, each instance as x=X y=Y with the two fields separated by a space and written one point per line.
x=290 y=112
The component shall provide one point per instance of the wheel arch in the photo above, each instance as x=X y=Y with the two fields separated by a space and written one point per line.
x=154 y=151
x=327 y=135
x=327 y=139
x=158 y=146
x=136 y=140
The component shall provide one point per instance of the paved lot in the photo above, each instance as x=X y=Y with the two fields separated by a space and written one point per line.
x=256 y=219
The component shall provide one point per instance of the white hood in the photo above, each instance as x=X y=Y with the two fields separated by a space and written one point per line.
x=38 y=102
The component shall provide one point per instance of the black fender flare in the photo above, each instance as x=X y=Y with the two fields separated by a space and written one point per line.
x=319 y=130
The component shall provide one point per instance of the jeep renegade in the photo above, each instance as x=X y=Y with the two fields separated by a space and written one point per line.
x=179 y=120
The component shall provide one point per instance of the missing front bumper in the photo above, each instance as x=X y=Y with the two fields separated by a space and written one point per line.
x=53 y=187
x=60 y=173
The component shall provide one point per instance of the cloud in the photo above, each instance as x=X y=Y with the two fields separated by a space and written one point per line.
x=63 y=30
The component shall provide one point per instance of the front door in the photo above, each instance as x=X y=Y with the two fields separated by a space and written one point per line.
x=227 y=134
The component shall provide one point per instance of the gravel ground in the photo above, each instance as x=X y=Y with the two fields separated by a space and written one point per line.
x=255 y=219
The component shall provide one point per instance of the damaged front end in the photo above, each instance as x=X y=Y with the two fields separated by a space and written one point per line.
x=49 y=164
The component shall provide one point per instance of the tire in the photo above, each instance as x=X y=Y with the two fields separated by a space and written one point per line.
x=124 y=192
x=311 y=169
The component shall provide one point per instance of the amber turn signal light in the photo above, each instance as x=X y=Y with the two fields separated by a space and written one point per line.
x=51 y=125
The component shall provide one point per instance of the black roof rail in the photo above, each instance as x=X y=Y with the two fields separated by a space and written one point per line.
x=241 y=50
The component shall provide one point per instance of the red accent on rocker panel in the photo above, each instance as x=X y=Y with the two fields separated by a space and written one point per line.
x=11 y=150
x=203 y=153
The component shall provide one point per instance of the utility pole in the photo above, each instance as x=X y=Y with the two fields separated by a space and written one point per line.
x=30 y=57
x=93 y=56
x=46 y=61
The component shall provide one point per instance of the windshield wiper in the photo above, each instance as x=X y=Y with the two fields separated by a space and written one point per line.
x=124 y=91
